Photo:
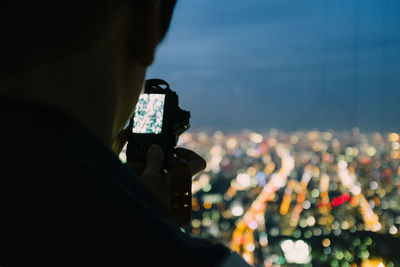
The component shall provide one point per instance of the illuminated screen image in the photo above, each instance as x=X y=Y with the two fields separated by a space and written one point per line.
x=149 y=114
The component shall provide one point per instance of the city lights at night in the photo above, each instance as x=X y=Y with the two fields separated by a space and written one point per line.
x=305 y=198
x=292 y=197
x=211 y=133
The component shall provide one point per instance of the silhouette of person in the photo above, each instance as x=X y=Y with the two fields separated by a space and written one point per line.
x=70 y=75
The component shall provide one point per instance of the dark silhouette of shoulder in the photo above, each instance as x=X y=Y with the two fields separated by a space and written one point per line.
x=66 y=198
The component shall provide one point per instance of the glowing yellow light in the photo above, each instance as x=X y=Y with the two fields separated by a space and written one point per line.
x=253 y=225
x=227 y=214
x=122 y=155
x=324 y=183
x=327 y=136
x=287 y=198
x=372 y=263
x=294 y=139
x=244 y=227
x=371 y=151
x=269 y=168
x=310 y=221
x=251 y=171
x=195 y=204
x=252 y=152
x=215 y=150
x=395 y=154
x=316 y=146
x=395 y=146
x=185 y=138
x=393 y=230
x=196 y=223
x=248 y=257
x=243 y=180
x=207 y=205
x=272 y=142
x=345 y=225
x=203 y=180
x=256 y=138
x=202 y=137
x=237 y=211
x=231 y=143
x=326 y=242
x=313 y=135
x=263 y=241
x=250 y=247
x=195 y=231
x=393 y=137
x=349 y=151
x=218 y=135
x=322 y=220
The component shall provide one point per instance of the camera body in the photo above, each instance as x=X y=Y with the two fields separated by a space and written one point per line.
x=158 y=119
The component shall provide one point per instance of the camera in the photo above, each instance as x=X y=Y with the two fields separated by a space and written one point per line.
x=158 y=119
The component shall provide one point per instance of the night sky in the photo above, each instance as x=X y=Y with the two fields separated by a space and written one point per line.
x=285 y=64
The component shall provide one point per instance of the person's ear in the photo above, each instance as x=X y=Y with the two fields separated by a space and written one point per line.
x=144 y=31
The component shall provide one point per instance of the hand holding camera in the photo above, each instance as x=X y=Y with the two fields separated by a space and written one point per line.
x=169 y=189
x=152 y=135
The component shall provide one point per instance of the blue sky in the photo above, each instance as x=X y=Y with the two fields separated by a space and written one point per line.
x=286 y=64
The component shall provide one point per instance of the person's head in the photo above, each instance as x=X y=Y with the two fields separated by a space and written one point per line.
x=81 y=56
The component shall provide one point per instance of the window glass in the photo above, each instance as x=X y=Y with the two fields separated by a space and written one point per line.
x=295 y=106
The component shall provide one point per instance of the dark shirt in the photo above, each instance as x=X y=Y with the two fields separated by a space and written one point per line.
x=66 y=198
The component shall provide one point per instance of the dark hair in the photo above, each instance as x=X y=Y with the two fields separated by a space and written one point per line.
x=51 y=29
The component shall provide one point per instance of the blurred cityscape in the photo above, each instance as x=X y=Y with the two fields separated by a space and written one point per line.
x=305 y=198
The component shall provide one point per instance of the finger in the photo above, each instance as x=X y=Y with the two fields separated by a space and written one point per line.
x=194 y=161
x=154 y=161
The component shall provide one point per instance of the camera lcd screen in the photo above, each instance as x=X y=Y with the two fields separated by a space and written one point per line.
x=149 y=112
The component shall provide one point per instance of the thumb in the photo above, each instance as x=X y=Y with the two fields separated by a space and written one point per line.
x=154 y=161
x=152 y=176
